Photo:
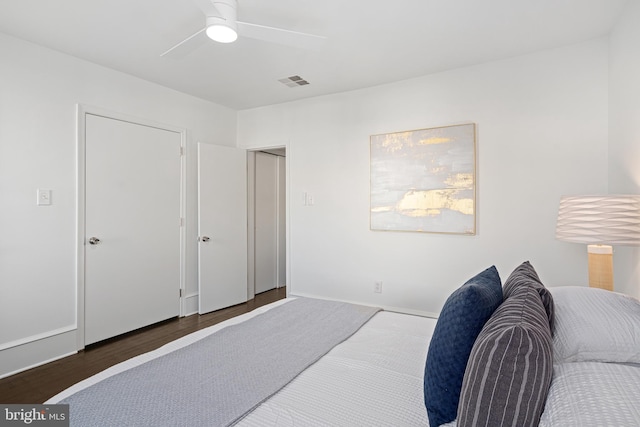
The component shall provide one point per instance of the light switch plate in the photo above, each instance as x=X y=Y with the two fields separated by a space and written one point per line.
x=44 y=197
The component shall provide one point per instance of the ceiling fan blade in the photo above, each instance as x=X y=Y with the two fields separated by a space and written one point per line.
x=280 y=36
x=187 y=45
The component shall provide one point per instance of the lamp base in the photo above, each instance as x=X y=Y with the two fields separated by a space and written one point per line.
x=600 y=266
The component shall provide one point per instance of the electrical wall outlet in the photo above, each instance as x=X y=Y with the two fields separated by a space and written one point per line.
x=44 y=197
x=377 y=287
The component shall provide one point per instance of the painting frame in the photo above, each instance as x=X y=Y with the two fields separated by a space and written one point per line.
x=424 y=180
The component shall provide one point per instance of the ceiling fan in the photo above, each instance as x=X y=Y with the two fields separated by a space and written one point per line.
x=222 y=26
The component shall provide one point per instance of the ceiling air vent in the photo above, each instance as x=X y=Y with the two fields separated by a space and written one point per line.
x=294 y=81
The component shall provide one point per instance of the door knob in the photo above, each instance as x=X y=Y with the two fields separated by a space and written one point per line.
x=94 y=241
x=204 y=239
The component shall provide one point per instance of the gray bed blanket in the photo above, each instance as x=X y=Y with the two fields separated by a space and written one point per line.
x=221 y=378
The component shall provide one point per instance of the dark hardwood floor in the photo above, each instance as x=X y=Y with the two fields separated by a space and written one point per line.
x=39 y=384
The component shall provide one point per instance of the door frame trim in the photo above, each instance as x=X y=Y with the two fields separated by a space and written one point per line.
x=81 y=112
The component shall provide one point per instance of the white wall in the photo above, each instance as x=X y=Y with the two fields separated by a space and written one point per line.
x=542 y=132
x=39 y=90
x=624 y=131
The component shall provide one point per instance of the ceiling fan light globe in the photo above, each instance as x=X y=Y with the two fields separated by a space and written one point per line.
x=222 y=33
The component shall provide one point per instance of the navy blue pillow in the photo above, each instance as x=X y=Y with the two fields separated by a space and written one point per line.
x=464 y=314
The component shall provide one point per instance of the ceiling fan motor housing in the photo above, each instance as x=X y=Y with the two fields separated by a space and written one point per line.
x=223 y=28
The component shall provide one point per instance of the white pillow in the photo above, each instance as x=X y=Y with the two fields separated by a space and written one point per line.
x=595 y=325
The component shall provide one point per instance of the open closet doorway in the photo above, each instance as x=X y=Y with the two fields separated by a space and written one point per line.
x=267 y=220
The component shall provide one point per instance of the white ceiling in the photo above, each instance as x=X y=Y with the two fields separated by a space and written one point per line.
x=370 y=42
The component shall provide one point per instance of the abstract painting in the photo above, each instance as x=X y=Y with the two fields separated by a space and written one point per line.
x=424 y=180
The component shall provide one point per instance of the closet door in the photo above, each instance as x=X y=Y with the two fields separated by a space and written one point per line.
x=132 y=226
x=266 y=222
x=282 y=223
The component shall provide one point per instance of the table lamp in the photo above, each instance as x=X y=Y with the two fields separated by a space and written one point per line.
x=600 y=221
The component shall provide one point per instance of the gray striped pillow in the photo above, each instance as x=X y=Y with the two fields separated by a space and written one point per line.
x=509 y=370
x=525 y=275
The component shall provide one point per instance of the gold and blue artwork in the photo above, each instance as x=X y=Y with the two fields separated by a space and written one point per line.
x=424 y=180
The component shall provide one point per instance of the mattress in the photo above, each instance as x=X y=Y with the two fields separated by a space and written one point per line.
x=593 y=394
x=375 y=378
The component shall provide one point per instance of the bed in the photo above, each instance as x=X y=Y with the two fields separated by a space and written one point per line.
x=360 y=366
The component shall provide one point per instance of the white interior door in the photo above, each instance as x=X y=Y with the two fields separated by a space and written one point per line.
x=222 y=226
x=266 y=222
x=132 y=226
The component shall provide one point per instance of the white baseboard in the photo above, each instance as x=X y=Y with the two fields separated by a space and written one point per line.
x=190 y=304
x=35 y=353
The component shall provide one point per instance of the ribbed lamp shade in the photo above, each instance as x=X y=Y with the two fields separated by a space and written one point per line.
x=600 y=220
